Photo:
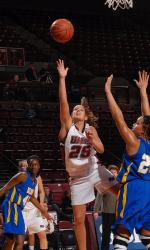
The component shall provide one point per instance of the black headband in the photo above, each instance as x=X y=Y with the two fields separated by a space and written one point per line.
x=31 y=158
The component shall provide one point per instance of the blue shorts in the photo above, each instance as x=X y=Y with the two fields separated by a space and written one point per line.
x=133 y=206
x=13 y=219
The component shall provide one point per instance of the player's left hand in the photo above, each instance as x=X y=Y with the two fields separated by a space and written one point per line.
x=142 y=83
x=47 y=215
x=108 y=84
x=61 y=68
x=91 y=134
x=44 y=205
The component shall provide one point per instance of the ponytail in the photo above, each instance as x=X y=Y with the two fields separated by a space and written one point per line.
x=92 y=119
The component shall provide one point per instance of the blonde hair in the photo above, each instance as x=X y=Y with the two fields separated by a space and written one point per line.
x=92 y=119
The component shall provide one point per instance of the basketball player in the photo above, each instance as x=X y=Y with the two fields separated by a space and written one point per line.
x=133 y=207
x=34 y=222
x=19 y=190
x=142 y=84
x=81 y=143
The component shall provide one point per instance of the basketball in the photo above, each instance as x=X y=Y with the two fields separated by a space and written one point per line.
x=62 y=30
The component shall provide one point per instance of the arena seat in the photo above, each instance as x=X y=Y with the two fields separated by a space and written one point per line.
x=66 y=235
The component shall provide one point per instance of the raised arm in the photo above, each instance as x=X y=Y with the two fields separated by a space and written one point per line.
x=18 y=178
x=142 y=84
x=65 y=117
x=132 y=143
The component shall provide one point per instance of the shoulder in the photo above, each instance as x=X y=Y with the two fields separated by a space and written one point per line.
x=39 y=179
x=21 y=176
x=92 y=128
x=142 y=146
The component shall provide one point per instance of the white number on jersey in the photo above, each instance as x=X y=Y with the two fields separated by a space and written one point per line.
x=144 y=167
x=26 y=199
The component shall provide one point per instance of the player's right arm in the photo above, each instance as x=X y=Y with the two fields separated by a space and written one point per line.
x=41 y=189
x=65 y=117
x=43 y=210
x=18 y=178
x=142 y=84
x=132 y=143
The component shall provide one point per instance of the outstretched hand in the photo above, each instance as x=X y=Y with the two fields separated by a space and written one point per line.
x=142 y=83
x=108 y=84
x=61 y=68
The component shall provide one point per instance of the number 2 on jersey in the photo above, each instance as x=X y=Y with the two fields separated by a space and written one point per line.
x=144 y=167
x=80 y=151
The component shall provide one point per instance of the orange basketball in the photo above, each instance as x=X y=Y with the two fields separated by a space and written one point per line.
x=62 y=30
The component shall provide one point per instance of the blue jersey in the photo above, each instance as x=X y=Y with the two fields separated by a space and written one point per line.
x=133 y=203
x=22 y=192
x=136 y=166
x=13 y=204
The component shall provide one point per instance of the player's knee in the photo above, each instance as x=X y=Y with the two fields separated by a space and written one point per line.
x=19 y=242
x=120 y=242
x=18 y=245
x=146 y=241
x=78 y=220
x=42 y=236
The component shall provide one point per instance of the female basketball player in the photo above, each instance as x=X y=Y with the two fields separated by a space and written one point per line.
x=19 y=191
x=33 y=220
x=81 y=143
x=133 y=207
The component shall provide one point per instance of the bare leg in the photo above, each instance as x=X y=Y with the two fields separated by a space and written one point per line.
x=43 y=240
x=31 y=240
x=19 y=242
x=8 y=244
x=145 y=238
x=121 y=238
x=145 y=232
x=79 y=212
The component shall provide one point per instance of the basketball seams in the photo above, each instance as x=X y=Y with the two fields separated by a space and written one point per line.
x=62 y=30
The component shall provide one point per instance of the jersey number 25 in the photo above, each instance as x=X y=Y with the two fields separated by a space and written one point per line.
x=80 y=151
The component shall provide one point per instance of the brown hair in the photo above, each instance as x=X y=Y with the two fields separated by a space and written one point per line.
x=114 y=167
x=92 y=119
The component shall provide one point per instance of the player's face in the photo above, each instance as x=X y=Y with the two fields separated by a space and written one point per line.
x=78 y=113
x=138 y=127
x=24 y=165
x=34 y=167
x=114 y=172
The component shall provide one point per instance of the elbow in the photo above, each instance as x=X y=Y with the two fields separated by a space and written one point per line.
x=101 y=149
x=4 y=191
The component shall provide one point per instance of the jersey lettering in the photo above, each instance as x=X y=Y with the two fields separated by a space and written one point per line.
x=26 y=199
x=30 y=191
x=144 y=167
x=78 y=140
